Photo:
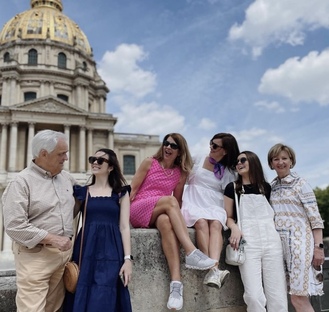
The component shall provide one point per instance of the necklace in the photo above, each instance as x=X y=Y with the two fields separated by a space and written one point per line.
x=166 y=171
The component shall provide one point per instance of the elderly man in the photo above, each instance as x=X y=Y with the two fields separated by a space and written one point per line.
x=38 y=211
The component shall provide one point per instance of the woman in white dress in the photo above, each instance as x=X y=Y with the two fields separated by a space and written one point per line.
x=299 y=223
x=203 y=201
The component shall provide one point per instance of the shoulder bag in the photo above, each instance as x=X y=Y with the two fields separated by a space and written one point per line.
x=236 y=256
x=71 y=270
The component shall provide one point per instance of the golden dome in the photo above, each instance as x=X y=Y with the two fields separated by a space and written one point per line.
x=45 y=20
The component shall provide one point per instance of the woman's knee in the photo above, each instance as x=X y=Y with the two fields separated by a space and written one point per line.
x=163 y=223
x=215 y=225
x=201 y=225
x=299 y=301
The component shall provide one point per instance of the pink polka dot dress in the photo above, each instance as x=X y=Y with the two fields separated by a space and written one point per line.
x=158 y=182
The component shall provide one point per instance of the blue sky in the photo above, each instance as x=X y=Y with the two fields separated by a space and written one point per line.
x=257 y=69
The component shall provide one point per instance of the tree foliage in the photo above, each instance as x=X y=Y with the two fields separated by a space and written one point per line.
x=322 y=197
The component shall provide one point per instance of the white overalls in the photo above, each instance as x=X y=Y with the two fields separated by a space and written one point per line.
x=262 y=273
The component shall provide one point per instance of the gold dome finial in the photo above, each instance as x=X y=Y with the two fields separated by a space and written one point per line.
x=55 y=4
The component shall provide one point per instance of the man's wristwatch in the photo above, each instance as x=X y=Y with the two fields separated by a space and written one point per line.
x=319 y=245
x=128 y=257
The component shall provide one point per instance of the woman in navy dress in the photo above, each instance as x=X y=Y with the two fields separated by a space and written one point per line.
x=106 y=243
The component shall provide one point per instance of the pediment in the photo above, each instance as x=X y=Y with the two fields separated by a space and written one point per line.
x=48 y=105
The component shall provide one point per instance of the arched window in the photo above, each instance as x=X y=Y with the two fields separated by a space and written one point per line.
x=61 y=60
x=6 y=57
x=33 y=57
x=84 y=66
x=63 y=97
x=30 y=96
x=129 y=165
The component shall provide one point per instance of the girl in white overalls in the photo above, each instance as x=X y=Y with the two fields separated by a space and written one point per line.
x=262 y=273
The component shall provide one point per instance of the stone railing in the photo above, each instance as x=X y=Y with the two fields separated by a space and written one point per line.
x=149 y=289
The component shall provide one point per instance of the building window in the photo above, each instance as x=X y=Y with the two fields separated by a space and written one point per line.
x=61 y=60
x=84 y=66
x=6 y=57
x=30 y=96
x=129 y=165
x=63 y=97
x=33 y=57
x=0 y=100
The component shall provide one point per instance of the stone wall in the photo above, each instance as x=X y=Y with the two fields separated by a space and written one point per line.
x=150 y=286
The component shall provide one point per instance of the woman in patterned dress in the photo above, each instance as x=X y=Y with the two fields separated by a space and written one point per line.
x=300 y=225
x=156 y=196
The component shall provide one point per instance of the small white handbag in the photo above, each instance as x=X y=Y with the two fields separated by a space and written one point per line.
x=237 y=256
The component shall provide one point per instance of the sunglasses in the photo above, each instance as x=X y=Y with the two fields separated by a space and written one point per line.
x=214 y=145
x=242 y=160
x=174 y=146
x=100 y=160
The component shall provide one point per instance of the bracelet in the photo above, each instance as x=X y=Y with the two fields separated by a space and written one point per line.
x=128 y=257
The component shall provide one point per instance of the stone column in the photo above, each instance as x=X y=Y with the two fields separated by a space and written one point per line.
x=4 y=152
x=67 y=133
x=90 y=147
x=13 y=147
x=13 y=91
x=82 y=150
x=102 y=107
x=110 y=139
x=79 y=96
x=31 y=133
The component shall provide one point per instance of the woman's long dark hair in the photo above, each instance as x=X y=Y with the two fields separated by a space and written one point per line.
x=115 y=177
x=230 y=145
x=256 y=173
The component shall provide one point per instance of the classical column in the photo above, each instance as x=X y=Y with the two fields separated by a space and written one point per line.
x=67 y=133
x=82 y=149
x=110 y=139
x=4 y=152
x=90 y=146
x=86 y=98
x=102 y=107
x=13 y=147
x=13 y=91
x=31 y=133
x=79 y=96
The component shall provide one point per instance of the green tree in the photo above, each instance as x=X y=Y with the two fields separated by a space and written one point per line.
x=322 y=197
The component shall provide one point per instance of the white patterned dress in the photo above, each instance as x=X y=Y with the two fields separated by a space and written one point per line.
x=296 y=215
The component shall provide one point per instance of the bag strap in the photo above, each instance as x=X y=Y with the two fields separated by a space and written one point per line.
x=237 y=206
x=83 y=225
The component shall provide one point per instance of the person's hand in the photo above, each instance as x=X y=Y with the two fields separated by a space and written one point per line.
x=318 y=256
x=63 y=243
x=126 y=272
x=235 y=237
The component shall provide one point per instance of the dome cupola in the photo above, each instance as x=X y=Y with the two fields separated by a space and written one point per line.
x=45 y=20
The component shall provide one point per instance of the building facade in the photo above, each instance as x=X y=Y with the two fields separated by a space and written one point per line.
x=49 y=80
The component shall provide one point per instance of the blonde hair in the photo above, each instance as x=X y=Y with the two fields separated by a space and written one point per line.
x=277 y=149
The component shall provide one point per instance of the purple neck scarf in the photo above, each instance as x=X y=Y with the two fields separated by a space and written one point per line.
x=218 y=168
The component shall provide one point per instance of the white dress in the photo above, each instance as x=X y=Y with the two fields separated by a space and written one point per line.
x=203 y=197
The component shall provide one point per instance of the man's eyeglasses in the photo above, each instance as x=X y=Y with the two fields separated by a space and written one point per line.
x=242 y=160
x=214 y=145
x=100 y=160
x=172 y=145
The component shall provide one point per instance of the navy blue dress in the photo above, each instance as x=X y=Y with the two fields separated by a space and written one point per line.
x=99 y=286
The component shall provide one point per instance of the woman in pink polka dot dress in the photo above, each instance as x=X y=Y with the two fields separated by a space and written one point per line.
x=156 y=197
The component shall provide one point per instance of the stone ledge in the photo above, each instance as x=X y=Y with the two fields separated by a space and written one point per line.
x=149 y=289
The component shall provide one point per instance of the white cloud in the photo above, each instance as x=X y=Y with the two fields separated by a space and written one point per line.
x=121 y=71
x=206 y=124
x=280 y=21
x=270 y=106
x=148 y=118
x=300 y=79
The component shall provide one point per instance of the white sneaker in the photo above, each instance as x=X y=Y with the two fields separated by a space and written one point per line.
x=215 y=278
x=199 y=261
x=223 y=276
x=175 y=301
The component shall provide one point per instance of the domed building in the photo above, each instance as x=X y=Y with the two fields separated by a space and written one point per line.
x=49 y=80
